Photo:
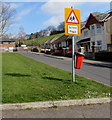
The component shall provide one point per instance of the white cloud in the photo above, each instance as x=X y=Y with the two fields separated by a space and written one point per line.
x=16 y=5
x=23 y=13
x=56 y=9
x=55 y=20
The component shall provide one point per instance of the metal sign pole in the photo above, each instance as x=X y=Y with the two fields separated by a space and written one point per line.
x=73 y=60
x=72 y=28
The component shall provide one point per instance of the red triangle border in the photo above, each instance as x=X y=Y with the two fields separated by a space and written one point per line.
x=75 y=16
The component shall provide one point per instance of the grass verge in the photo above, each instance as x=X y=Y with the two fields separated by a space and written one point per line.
x=27 y=80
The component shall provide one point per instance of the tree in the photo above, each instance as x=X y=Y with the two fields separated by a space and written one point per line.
x=6 y=37
x=43 y=33
x=21 y=36
x=61 y=26
x=36 y=34
x=6 y=17
x=51 y=28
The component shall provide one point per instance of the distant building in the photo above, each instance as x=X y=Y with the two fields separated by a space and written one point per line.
x=27 y=37
x=7 y=45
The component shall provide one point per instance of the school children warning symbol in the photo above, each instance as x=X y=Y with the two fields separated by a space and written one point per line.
x=72 y=22
x=72 y=18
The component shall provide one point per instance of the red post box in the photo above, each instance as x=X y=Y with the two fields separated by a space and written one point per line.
x=79 y=60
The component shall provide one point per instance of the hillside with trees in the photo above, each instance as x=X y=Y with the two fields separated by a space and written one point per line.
x=41 y=40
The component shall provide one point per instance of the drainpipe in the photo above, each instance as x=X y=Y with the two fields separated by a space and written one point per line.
x=104 y=43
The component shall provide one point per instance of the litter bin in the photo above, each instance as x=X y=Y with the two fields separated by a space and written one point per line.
x=79 y=60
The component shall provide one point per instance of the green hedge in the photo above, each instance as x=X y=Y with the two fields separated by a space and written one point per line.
x=104 y=56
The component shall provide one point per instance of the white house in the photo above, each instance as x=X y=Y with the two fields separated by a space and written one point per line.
x=96 y=36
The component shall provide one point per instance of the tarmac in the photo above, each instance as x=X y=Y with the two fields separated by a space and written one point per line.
x=68 y=58
x=48 y=104
x=85 y=60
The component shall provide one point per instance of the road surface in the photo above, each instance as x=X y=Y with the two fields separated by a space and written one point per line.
x=93 y=71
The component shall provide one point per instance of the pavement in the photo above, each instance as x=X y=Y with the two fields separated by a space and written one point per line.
x=75 y=111
x=18 y=106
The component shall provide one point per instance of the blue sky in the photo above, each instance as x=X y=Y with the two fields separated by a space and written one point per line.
x=35 y=16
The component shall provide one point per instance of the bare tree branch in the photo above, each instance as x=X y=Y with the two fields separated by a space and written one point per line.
x=6 y=17
x=21 y=35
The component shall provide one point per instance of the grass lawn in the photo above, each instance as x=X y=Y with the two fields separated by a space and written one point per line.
x=27 y=80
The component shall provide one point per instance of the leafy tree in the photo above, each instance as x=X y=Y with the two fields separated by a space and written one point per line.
x=43 y=33
x=61 y=27
x=51 y=28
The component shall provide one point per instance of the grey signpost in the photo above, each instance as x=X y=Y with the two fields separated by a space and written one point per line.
x=73 y=60
x=72 y=28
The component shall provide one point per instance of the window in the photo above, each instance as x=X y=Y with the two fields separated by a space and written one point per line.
x=93 y=43
x=63 y=44
x=92 y=30
x=9 y=42
x=99 y=28
x=85 y=33
x=77 y=37
x=99 y=43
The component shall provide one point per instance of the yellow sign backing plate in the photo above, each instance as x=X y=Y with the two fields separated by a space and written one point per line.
x=72 y=22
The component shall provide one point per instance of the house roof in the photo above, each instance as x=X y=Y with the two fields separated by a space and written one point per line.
x=97 y=17
x=83 y=24
x=57 y=39
x=54 y=39
x=61 y=39
x=50 y=41
x=109 y=16
x=84 y=40
x=7 y=40
x=100 y=16
x=47 y=42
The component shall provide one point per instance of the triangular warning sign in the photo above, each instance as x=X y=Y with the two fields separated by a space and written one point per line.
x=72 y=18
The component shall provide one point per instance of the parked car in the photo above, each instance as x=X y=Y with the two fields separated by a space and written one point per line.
x=35 y=50
x=48 y=51
x=69 y=53
x=58 y=51
x=43 y=50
